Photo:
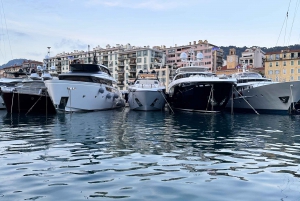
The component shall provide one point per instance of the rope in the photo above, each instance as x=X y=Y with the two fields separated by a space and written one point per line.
x=232 y=100
x=209 y=97
x=6 y=29
x=295 y=13
x=33 y=105
x=287 y=15
x=247 y=101
x=19 y=102
x=70 y=94
x=166 y=100
x=292 y=97
x=46 y=103
x=12 y=102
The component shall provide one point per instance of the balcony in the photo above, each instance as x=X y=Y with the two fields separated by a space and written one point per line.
x=121 y=78
x=132 y=70
x=120 y=71
x=132 y=56
x=105 y=59
x=121 y=58
x=121 y=64
x=120 y=83
x=132 y=63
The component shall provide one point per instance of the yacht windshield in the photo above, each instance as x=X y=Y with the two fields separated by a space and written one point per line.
x=84 y=68
x=194 y=75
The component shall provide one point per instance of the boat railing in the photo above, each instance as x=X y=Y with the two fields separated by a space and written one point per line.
x=149 y=86
x=29 y=90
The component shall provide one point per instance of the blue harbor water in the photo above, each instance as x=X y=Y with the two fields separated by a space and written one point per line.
x=128 y=155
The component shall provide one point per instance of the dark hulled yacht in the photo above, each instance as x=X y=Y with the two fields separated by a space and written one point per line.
x=196 y=88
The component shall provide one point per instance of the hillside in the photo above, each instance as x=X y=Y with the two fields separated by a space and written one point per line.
x=239 y=50
x=12 y=62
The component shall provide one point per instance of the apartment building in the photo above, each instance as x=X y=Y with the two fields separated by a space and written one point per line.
x=253 y=57
x=123 y=61
x=212 y=55
x=283 y=66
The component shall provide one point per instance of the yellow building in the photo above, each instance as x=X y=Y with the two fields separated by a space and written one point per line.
x=283 y=66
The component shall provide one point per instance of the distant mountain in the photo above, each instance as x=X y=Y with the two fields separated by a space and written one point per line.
x=13 y=62
x=239 y=50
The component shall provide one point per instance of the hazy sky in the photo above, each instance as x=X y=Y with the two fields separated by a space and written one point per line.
x=28 y=27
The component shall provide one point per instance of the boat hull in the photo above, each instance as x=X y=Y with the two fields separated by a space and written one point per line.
x=28 y=103
x=2 y=104
x=281 y=98
x=208 y=97
x=146 y=100
x=73 y=96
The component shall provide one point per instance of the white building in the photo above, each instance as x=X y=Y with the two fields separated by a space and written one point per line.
x=123 y=61
x=254 y=57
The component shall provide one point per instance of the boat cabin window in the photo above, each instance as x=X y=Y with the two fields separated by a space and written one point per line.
x=105 y=70
x=194 y=74
x=86 y=79
x=88 y=68
x=252 y=80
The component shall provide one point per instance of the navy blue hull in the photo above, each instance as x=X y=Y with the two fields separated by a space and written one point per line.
x=28 y=103
x=202 y=97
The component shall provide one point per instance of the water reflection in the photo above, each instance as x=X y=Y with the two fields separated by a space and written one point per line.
x=119 y=153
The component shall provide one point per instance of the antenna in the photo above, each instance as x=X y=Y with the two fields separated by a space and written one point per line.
x=89 y=59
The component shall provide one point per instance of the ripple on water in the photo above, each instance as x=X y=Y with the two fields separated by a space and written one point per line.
x=150 y=156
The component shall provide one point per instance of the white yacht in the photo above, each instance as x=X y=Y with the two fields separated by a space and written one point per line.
x=262 y=95
x=87 y=87
x=146 y=93
x=197 y=88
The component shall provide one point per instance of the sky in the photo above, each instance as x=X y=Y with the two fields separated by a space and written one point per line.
x=28 y=27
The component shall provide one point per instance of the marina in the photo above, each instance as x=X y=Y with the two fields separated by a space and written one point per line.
x=149 y=100
x=133 y=155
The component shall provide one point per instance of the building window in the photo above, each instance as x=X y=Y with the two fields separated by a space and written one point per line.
x=270 y=57
x=139 y=66
x=163 y=72
x=277 y=72
x=139 y=60
x=298 y=77
x=292 y=63
x=284 y=71
x=270 y=64
x=298 y=62
x=145 y=59
x=284 y=63
x=292 y=70
x=276 y=63
x=270 y=72
x=292 y=78
x=145 y=53
x=298 y=70
x=139 y=53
